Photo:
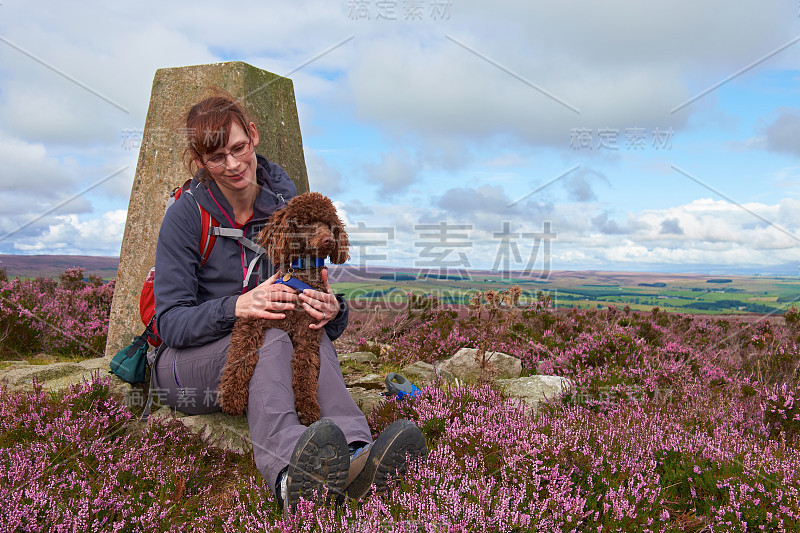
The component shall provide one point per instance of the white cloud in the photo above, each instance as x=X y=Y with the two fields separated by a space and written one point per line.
x=29 y=170
x=714 y=233
x=579 y=184
x=621 y=63
x=68 y=235
x=321 y=176
x=469 y=202
x=784 y=131
x=395 y=172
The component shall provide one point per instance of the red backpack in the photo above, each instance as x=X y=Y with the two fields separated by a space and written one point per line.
x=147 y=301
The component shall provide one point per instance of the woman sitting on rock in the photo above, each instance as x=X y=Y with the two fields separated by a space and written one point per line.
x=198 y=302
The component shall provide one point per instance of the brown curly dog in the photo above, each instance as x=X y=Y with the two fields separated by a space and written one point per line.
x=308 y=228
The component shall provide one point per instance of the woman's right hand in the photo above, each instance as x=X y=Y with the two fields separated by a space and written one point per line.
x=267 y=301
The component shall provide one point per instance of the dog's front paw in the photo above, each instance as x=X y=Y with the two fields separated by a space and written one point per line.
x=232 y=401
x=310 y=415
x=231 y=397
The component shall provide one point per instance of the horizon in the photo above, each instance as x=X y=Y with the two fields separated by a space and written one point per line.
x=789 y=271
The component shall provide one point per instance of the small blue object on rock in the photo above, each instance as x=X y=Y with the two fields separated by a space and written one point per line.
x=399 y=386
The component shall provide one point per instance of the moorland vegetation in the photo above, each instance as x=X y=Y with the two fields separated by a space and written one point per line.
x=673 y=423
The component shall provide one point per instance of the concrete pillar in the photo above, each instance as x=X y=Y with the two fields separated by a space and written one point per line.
x=267 y=97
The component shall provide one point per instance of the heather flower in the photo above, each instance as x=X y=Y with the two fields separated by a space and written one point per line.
x=70 y=317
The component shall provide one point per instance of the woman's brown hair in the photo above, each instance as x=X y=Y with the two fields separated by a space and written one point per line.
x=208 y=124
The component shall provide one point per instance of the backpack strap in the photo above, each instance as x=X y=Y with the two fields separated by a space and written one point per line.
x=238 y=234
x=207 y=221
x=211 y=230
x=152 y=359
x=207 y=225
x=207 y=237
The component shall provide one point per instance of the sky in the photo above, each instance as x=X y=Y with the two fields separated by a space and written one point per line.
x=534 y=136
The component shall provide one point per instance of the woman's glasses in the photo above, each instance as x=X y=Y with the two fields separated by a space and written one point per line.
x=238 y=151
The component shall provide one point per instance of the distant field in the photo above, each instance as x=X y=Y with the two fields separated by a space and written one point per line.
x=388 y=287
x=684 y=293
x=50 y=266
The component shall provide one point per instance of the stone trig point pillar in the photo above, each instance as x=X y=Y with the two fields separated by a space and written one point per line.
x=267 y=97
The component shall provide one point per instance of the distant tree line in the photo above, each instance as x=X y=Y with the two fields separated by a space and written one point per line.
x=722 y=305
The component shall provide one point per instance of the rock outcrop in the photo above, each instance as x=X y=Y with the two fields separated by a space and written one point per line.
x=464 y=366
x=361 y=371
x=534 y=389
x=20 y=376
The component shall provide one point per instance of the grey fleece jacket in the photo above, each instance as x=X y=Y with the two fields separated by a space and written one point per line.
x=194 y=305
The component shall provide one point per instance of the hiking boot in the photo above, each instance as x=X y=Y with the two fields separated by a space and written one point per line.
x=388 y=457
x=320 y=459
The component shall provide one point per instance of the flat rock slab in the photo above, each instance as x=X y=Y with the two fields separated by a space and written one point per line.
x=359 y=357
x=422 y=372
x=233 y=433
x=534 y=389
x=464 y=366
x=228 y=432
x=20 y=376
x=371 y=382
x=366 y=399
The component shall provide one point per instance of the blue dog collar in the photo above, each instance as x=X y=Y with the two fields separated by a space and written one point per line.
x=300 y=264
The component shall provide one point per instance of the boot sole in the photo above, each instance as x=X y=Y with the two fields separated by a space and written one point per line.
x=320 y=460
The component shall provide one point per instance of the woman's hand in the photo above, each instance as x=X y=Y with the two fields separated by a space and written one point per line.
x=268 y=300
x=323 y=306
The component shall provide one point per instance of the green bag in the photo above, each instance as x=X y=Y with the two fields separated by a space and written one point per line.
x=130 y=363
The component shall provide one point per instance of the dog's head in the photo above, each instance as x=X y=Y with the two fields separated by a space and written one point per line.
x=307 y=227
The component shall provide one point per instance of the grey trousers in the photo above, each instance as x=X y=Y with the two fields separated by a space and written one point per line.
x=187 y=380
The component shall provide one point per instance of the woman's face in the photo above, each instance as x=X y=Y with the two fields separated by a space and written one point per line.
x=235 y=173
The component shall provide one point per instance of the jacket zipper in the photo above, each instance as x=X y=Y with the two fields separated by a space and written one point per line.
x=175 y=373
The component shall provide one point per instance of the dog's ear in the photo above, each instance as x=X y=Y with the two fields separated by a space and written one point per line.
x=341 y=250
x=295 y=239
x=267 y=233
x=274 y=237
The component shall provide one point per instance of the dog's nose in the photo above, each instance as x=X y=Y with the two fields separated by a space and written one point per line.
x=327 y=241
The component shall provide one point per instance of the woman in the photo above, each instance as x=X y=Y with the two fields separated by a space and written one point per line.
x=197 y=303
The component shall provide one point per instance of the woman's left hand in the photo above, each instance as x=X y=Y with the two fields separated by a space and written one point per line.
x=323 y=306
